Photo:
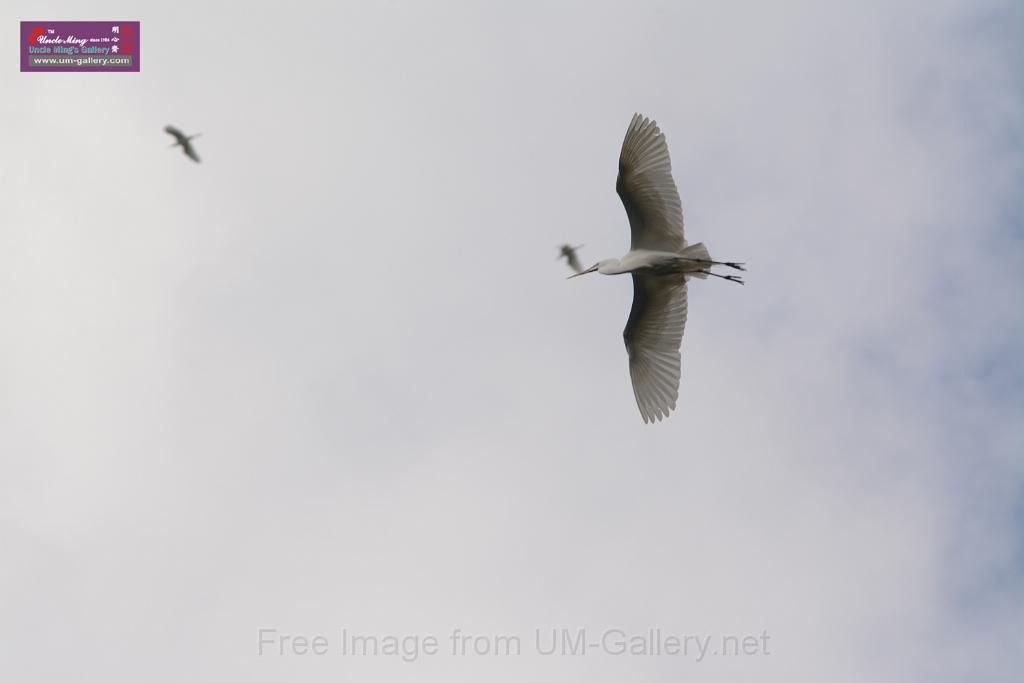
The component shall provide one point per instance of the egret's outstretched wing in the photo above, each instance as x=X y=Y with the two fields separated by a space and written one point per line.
x=574 y=262
x=647 y=190
x=178 y=135
x=190 y=151
x=653 y=334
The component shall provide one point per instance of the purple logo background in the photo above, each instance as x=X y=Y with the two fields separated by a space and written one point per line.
x=79 y=46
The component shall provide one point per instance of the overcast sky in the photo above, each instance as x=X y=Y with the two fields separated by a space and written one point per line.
x=333 y=377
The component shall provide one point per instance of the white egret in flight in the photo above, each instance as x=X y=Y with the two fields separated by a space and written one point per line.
x=660 y=261
x=569 y=254
x=185 y=141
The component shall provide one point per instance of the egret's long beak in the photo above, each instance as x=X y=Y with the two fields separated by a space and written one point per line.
x=591 y=269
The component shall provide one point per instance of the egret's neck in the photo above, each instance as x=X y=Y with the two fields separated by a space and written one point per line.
x=611 y=266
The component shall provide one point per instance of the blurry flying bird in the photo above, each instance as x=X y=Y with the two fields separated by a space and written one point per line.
x=569 y=254
x=185 y=141
x=661 y=262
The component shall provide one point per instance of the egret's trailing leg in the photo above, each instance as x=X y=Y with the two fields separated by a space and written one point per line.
x=731 y=278
x=730 y=264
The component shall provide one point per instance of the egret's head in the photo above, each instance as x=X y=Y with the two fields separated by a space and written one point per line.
x=592 y=268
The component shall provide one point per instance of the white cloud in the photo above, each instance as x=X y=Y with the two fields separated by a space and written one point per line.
x=332 y=377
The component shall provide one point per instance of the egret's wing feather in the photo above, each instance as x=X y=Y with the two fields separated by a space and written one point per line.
x=190 y=151
x=574 y=262
x=178 y=135
x=647 y=190
x=653 y=334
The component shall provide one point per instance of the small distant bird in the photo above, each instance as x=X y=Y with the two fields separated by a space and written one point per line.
x=660 y=261
x=185 y=141
x=569 y=254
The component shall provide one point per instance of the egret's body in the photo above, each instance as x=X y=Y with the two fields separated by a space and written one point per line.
x=185 y=141
x=568 y=252
x=694 y=262
x=660 y=262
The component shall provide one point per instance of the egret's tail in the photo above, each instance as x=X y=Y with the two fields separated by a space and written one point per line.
x=698 y=252
x=698 y=255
